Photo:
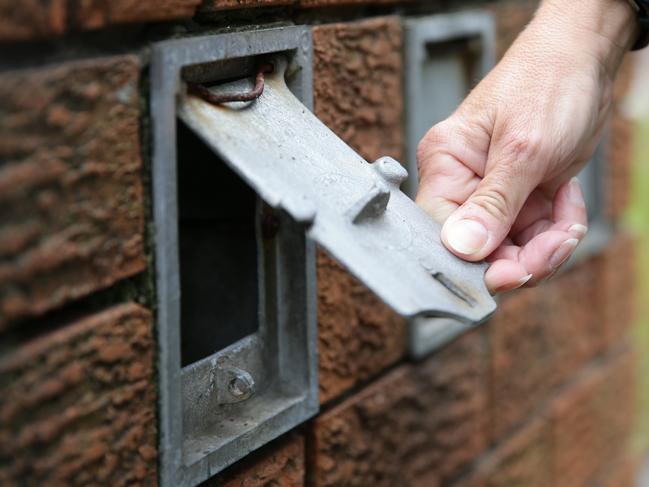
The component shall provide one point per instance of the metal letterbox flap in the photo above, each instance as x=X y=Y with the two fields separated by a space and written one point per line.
x=353 y=209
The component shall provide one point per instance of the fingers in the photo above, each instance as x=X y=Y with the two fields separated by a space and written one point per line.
x=446 y=156
x=480 y=199
x=544 y=254
x=505 y=275
x=545 y=245
x=532 y=263
x=479 y=225
x=570 y=208
x=546 y=251
x=443 y=182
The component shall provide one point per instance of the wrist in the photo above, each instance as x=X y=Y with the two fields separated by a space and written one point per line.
x=605 y=28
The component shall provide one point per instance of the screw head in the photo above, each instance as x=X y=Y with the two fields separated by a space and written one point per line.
x=242 y=385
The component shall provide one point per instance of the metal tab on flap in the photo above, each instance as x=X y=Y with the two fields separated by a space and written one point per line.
x=356 y=210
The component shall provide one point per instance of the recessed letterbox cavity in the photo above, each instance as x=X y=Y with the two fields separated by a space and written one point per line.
x=220 y=251
x=246 y=181
x=235 y=276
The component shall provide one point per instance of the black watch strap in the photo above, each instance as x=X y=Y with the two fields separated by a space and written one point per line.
x=642 y=9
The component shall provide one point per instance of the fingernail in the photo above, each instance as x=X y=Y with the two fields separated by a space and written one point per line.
x=523 y=280
x=465 y=236
x=574 y=192
x=563 y=252
x=579 y=228
x=511 y=286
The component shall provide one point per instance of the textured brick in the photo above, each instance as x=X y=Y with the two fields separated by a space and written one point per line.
x=71 y=203
x=540 y=337
x=617 y=281
x=622 y=473
x=78 y=404
x=523 y=460
x=358 y=334
x=216 y=5
x=280 y=463
x=357 y=91
x=342 y=3
x=416 y=426
x=26 y=19
x=36 y=19
x=92 y=14
x=578 y=438
x=592 y=421
x=357 y=83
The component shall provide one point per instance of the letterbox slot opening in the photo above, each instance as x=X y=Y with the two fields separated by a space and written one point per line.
x=461 y=55
x=449 y=71
x=219 y=254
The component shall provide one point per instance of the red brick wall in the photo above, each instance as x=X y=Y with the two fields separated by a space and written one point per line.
x=541 y=395
x=71 y=202
x=356 y=66
x=78 y=403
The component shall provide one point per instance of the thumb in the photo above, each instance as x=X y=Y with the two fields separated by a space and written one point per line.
x=482 y=222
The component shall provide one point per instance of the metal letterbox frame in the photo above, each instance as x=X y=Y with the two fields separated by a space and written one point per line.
x=189 y=396
x=426 y=335
x=420 y=36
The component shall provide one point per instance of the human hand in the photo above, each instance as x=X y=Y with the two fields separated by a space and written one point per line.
x=499 y=172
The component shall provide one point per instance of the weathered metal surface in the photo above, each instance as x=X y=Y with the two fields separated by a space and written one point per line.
x=297 y=164
x=215 y=411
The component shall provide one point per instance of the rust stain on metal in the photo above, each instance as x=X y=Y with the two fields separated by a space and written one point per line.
x=201 y=91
